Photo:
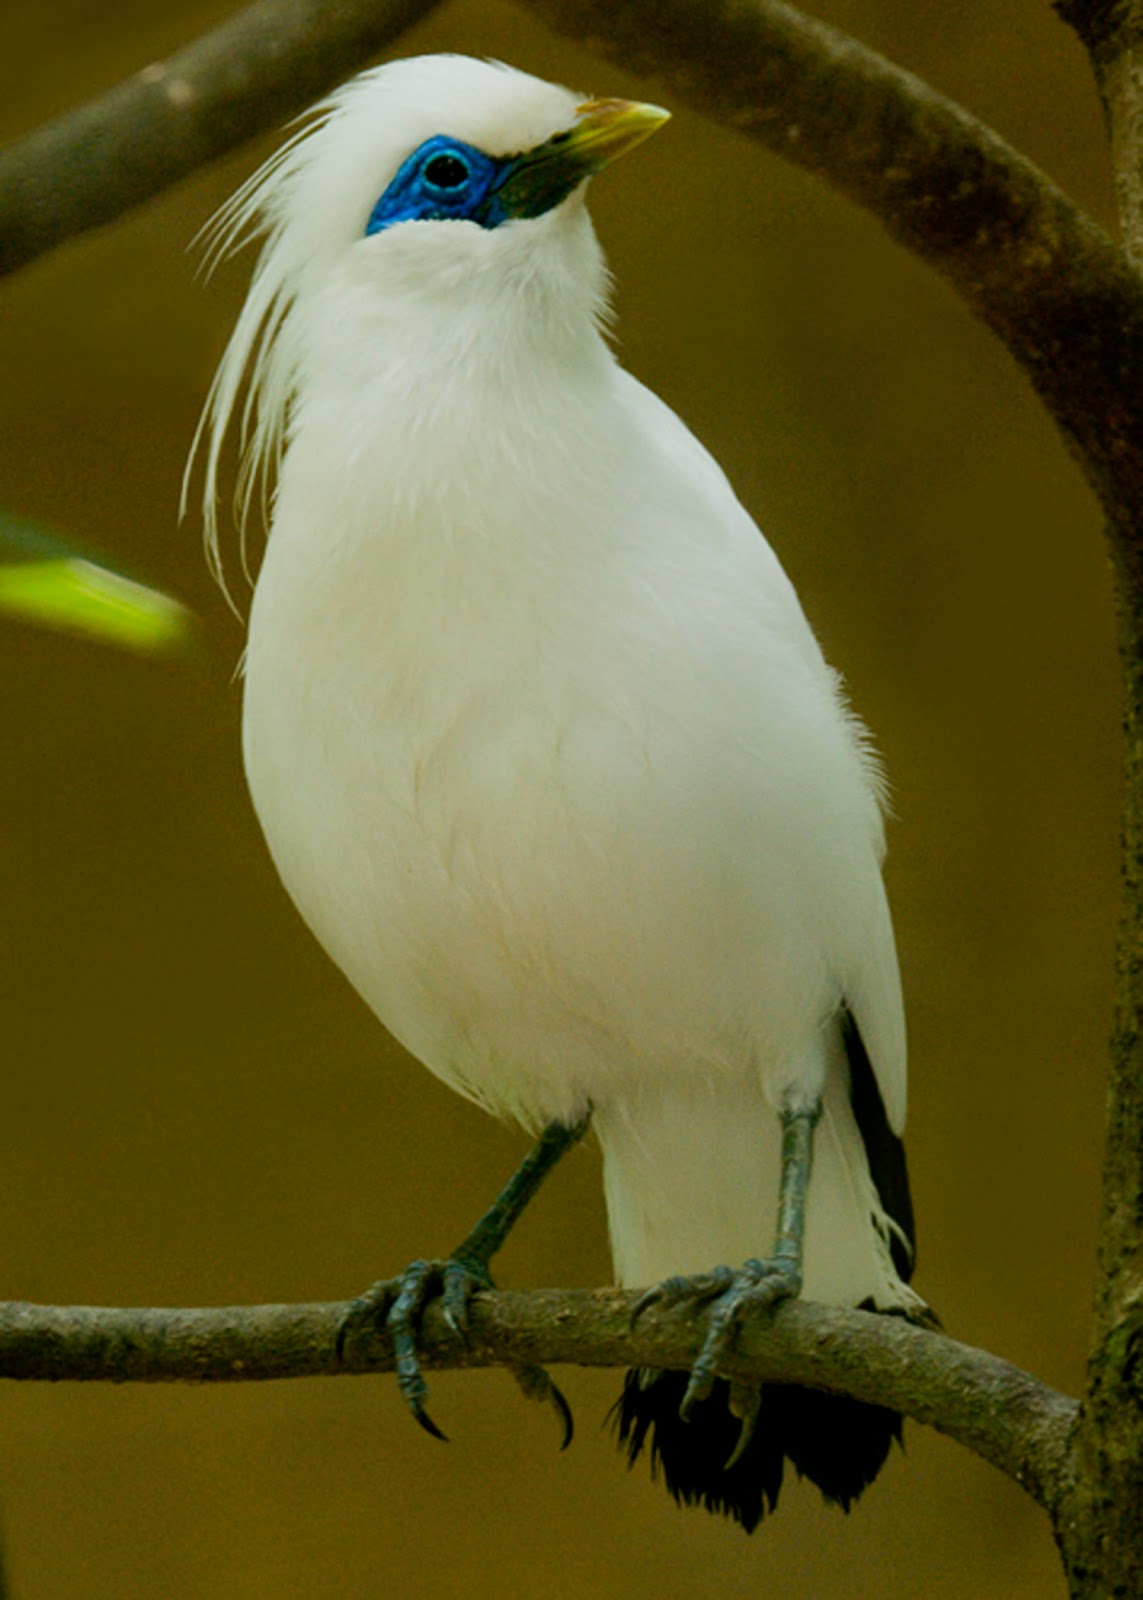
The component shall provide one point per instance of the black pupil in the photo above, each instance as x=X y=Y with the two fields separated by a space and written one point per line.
x=446 y=172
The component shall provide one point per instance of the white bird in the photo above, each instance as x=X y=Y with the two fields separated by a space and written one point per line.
x=546 y=753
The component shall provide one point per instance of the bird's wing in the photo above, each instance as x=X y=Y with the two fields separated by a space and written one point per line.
x=874 y=1001
x=863 y=951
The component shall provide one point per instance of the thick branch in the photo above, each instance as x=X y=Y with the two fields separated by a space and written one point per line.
x=1102 y=1530
x=1002 y=1413
x=175 y=116
x=1116 y=41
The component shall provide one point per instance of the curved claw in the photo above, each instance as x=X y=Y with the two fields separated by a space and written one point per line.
x=702 y=1379
x=538 y=1384
x=422 y=1417
x=745 y=1404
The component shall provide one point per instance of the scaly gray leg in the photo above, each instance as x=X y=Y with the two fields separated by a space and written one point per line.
x=398 y=1305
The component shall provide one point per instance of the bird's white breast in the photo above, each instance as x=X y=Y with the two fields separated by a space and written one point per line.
x=541 y=743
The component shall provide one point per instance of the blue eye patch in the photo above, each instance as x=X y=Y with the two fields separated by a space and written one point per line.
x=445 y=180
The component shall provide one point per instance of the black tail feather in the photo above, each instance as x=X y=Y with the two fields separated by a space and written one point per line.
x=837 y=1443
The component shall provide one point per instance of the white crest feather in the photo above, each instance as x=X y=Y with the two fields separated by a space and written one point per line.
x=259 y=207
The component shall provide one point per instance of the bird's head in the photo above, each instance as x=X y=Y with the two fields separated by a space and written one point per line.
x=439 y=191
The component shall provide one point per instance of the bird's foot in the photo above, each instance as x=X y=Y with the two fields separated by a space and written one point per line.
x=397 y=1306
x=732 y=1297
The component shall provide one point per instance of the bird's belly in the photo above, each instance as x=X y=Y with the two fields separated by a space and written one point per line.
x=545 y=890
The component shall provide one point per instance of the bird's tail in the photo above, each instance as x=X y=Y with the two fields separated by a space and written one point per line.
x=837 y=1443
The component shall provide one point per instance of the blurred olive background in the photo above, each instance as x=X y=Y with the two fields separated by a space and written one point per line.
x=199 y=1110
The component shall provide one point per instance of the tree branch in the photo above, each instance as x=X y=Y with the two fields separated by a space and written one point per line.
x=1101 y=1531
x=1004 y=1414
x=175 y=116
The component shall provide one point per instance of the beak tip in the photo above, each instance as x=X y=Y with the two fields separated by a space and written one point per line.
x=610 y=109
x=610 y=127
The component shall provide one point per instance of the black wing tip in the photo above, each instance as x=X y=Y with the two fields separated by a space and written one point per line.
x=839 y=1444
x=884 y=1150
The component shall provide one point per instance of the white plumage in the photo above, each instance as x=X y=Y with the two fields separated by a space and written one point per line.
x=543 y=747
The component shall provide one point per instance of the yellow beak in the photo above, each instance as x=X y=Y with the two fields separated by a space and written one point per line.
x=604 y=129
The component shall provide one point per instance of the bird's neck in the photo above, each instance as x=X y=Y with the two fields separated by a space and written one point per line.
x=401 y=409
x=463 y=314
x=422 y=357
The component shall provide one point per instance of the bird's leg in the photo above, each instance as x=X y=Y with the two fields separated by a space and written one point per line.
x=756 y=1285
x=399 y=1304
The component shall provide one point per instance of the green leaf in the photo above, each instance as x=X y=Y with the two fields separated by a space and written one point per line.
x=43 y=581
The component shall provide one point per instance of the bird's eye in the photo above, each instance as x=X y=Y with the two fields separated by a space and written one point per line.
x=446 y=172
x=444 y=180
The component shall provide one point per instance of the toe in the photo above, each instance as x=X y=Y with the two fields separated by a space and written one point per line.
x=366 y=1310
x=697 y=1290
x=459 y=1282
x=417 y=1284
